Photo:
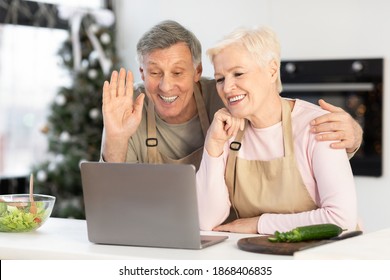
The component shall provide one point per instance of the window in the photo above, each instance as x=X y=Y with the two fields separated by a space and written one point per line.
x=29 y=79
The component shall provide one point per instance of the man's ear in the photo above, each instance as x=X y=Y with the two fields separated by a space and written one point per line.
x=198 y=72
x=141 y=70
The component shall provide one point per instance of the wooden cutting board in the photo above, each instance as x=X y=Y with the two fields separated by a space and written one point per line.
x=260 y=244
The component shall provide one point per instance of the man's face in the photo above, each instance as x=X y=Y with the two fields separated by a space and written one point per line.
x=169 y=76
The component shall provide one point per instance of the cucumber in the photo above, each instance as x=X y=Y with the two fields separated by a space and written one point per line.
x=304 y=233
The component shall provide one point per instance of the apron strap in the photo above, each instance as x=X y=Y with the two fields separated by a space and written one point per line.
x=287 y=128
x=151 y=141
x=231 y=165
x=202 y=112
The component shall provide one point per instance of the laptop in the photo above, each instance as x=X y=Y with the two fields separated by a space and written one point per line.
x=152 y=205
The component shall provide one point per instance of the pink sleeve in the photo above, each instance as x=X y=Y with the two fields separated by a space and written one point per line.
x=335 y=194
x=213 y=196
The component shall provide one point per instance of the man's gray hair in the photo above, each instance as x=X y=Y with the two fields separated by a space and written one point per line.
x=166 y=34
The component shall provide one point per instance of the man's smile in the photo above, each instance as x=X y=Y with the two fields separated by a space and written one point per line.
x=168 y=99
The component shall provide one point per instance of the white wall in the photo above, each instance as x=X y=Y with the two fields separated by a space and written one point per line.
x=307 y=29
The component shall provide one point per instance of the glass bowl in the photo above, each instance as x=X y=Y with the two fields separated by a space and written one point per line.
x=15 y=214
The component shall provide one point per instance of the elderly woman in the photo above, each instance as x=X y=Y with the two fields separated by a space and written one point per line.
x=260 y=162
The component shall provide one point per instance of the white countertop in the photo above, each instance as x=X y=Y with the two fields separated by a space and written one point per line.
x=369 y=246
x=67 y=239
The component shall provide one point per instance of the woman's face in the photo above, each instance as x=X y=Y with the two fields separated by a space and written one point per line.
x=169 y=76
x=243 y=85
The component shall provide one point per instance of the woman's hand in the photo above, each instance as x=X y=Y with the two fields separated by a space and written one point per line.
x=337 y=125
x=121 y=115
x=244 y=225
x=223 y=127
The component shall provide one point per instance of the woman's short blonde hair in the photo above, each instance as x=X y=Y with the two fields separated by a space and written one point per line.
x=260 y=42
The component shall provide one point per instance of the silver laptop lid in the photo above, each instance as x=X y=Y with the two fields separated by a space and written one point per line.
x=141 y=204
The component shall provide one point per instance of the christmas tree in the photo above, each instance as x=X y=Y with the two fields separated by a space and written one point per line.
x=75 y=122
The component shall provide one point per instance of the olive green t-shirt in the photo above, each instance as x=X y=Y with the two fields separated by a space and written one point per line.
x=174 y=140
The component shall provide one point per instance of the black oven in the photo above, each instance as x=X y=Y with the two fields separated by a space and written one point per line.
x=356 y=85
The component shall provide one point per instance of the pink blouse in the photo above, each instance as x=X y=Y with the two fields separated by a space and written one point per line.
x=326 y=173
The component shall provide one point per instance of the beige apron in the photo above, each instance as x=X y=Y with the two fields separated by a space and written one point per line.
x=275 y=186
x=154 y=156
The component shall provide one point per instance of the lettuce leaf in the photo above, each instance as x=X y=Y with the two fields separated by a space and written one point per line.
x=16 y=219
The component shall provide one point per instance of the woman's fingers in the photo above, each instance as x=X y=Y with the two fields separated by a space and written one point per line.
x=233 y=125
x=228 y=123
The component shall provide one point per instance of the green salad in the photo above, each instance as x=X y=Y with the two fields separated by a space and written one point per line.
x=19 y=218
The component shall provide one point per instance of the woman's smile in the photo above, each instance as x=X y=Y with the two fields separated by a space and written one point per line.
x=236 y=99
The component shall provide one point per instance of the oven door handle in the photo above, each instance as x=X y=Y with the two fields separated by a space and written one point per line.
x=328 y=87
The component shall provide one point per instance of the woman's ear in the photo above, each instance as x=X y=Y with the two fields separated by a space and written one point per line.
x=273 y=69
